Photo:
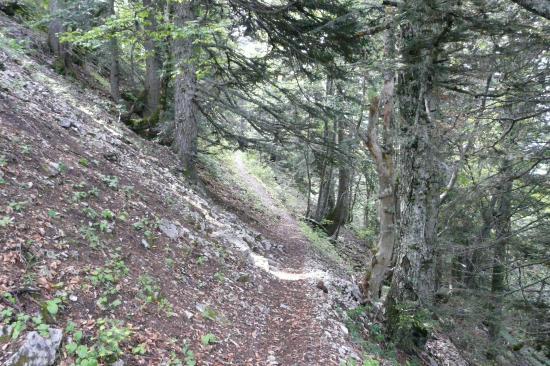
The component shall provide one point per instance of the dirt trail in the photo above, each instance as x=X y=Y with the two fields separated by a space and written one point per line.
x=294 y=333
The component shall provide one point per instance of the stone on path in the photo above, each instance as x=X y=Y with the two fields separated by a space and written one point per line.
x=37 y=350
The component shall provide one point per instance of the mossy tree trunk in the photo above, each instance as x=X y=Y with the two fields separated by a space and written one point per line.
x=185 y=129
x=419 y=185
x=153 y=63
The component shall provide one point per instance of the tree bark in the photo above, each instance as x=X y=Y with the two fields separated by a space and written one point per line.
x=55 y=27
x=153 y=63
x=339 y=214
x=539 y=7
x=114 y=78
x=185 y=119
x=383 y=156
x=413 y=282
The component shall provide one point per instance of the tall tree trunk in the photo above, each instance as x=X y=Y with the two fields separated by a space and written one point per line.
x=383 y=156
x=325 y=198
x=503 y=231
x=339 y=214
x=153 y=64
x=55 y=27
x=185 y=118
x=114 y=78
x=413 y=281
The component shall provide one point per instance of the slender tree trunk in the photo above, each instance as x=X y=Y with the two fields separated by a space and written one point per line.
x=503 y=230
x=383 y=156
x=353 y=195
x=115 y=65
x=325 y=198
x=339 y=214
x=55 y=27
x=185 y=119
x=308 y=174
x=153 y=64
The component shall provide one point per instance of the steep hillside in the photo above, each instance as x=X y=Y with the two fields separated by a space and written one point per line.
x=102 y=238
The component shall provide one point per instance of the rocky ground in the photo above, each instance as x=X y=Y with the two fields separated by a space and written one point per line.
x=108 y=255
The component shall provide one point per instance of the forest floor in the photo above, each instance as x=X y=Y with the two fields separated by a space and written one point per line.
x=102 y=239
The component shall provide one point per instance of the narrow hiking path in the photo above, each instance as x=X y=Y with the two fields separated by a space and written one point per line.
x=296 y=332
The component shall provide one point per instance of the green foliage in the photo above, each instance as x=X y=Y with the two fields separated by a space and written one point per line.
x=209 y=313
x=106 y=278
x=150 y=291
x=52 y=306
x=209 y=339
x=110 y=181
x=5 y=221
x=108 y=214
x=140 y=349
x=189 y=359
x=322 y=244
x=367 y=362
x=106 y=346
x=18 y=206
x=90 y=235
x=53 y=214
x=219 y=276
x=79 y=196
x=409 y=326
x=89 y=212
x=13 y=44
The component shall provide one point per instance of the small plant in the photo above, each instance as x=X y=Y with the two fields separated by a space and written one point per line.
x=123 y=216
x=26 y=149
x=79 y=196
x=104 y=226
x=52 y=306
x=90 y=213
x=140 y=349
x=19 y=325
x=18 y=206
x=110 y=181
x=5 y=221
x=140 y=225
x=3 y=161
x=107 y=278
x=89 y=234
x=53 y=214
x=189 y=359
x=128 y=191
x=201 y=260
x=412 y=326
x=209 y=339
x=42 y=328
x=106 y=348
x=209 y=313
x=219 y=276
x=376 y=333
x=94 y=191
x=84 y=162
x=107 y=214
